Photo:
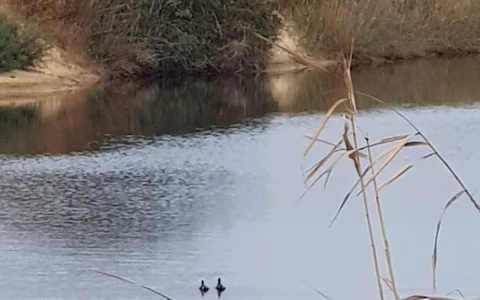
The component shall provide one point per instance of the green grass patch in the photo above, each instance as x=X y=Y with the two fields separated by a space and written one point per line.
x=18 y=50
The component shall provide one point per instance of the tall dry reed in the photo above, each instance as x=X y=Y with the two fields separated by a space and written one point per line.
x=376 y=165
x=386 y=30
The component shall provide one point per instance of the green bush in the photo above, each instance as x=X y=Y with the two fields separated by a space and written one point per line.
x=18 y=51
x=181 y=36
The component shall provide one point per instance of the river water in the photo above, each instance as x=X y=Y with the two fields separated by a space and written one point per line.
x=172 y=183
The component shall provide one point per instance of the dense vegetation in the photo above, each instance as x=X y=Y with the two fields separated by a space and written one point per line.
x=143 y=37
x=386 y=30
x=132 y=37
x=18 y=50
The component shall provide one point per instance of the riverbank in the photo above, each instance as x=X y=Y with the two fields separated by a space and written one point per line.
x=32 y=66
x=119 y=39
x=385 y=31
x=52 y=75
x=142 y=38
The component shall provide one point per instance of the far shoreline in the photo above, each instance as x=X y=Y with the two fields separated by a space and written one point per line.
x=57 y=74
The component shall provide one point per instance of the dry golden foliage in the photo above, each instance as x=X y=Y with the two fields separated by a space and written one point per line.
x=354 y=152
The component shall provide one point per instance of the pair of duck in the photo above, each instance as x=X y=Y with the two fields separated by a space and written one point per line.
x=220 y=288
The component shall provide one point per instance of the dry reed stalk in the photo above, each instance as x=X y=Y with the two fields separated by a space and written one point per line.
x=324 y=122
x=356 y=161
x=382 y=226
x=354 y=153
x=464 y=189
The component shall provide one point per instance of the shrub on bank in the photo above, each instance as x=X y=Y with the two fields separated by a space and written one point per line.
x=181 y=35
x=18 y=50
x=150 y=36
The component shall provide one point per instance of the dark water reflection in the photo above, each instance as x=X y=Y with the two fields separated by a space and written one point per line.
x=417 y=83
x=170 y=183
x=86 y=120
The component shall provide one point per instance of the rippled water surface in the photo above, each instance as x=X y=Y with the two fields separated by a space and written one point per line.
x=170 y=184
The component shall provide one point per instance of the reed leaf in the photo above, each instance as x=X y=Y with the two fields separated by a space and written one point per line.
x=458 y=291
x=330 y=169
x=318 y=291
x=404 y=170
x=387 y=141
x=319 y=140
x=323 y=160
x=389 y=284
x=372 y=145
x=397 y=150
x=334 y=164
x=420 y=297
x=437 y=232
x=339 y=210
x=323 y=123
x=391 y=139
x=384 y=141
x=326 y=172
x=347 y=196
x=413 y=144
x=132 y=282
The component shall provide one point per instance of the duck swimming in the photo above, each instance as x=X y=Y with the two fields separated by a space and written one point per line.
x=220 y=288
x=203 y=288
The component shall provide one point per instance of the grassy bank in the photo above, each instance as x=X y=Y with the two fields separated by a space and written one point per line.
x=386 y=30
x=144 y=37
x=19 y=49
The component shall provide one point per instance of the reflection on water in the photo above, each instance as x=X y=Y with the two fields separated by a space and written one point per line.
x=167 y=184
x=88 y=119
x=93 y=117
x=418 y=83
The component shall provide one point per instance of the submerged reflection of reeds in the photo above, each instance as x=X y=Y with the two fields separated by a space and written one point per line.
x=84 y=120
x=417 y=83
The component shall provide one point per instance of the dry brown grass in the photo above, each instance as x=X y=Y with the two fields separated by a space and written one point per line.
x=353 y=150
x=129 y=35
x=387 y=30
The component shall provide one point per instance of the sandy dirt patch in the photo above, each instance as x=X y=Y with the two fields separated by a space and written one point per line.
x=55 y=74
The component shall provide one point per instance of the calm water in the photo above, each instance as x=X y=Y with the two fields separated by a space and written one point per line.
x=170 y=184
